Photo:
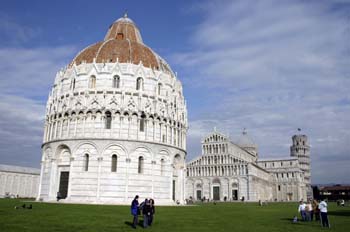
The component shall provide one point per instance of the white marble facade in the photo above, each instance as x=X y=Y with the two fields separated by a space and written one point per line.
x=228 y=171
x=16 y=181
x=115 y=128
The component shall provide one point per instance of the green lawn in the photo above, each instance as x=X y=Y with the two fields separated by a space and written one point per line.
x=206 y=217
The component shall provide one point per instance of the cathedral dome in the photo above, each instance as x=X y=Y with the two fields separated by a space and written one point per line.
x=245 y=141
x=123 y=43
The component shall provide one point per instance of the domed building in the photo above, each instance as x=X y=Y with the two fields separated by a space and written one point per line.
x=247 y=143
x=116 y=124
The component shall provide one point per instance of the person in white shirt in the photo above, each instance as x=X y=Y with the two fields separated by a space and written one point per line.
x=323 y=211
x=301 y=210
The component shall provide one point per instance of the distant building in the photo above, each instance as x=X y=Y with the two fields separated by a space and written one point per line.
x=232 y=171
x=16 y=181
x=335 y=192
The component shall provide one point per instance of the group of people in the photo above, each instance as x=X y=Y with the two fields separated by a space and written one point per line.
x=146 y=207
x=313 y=208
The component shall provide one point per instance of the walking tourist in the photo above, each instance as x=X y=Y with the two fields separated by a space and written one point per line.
x=301 y=210
x=323 y=211
x=135 y=211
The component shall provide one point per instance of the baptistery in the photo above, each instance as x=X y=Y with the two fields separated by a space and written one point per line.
x=115 y=125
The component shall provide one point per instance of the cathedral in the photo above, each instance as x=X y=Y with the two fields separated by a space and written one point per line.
x=116 y=124
x=228 y=171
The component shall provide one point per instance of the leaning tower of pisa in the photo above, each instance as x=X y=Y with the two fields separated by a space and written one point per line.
x=301 y=149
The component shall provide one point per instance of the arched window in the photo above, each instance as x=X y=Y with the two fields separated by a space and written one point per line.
x=92 y=82
x=108 y=123
x=86 y=162
x=162 y=167
x=159 y=88
x=142 y=123
x=140 y=167
x=73 y=84
x=116 y=82
x=139 y=83
x=120 y=36
x=114 y=163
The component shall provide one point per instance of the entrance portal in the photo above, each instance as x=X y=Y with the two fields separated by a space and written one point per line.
x=64 y=179
x=234 y=194
x=174 y=190
x=199 y=195
x=216 y=193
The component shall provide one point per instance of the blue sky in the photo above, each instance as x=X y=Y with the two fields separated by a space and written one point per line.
x=268 y=66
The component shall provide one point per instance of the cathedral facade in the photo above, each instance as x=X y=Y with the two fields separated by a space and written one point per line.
x=116 y=124
x=228 y=171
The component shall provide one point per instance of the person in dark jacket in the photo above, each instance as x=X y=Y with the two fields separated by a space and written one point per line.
x=134 y=211
x=146 y=211
x=153 y=211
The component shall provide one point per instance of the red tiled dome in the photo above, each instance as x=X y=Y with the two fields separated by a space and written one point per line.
x=122 y=43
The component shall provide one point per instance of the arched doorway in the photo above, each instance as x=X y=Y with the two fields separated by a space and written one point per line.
x=63 y=155
x=216 y=189
x=234 y=191
x=199 y=192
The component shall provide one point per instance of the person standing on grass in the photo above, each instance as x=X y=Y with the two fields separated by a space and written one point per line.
x=309 y=211
x=323 y=211
x=134 y=211
x=316 y=211
x=153 y=211
x=301 y=210
x=146 y=211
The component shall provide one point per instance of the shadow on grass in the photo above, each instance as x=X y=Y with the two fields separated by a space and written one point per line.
x=300 y=222
x=131 y=224
x=290 y=220
x=128 y=223
x=345 y=213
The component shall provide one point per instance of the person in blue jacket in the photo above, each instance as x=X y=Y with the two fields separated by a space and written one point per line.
x=135 y=211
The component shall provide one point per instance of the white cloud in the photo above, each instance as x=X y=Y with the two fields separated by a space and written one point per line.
x=14 y=34
x=31 y=72
x=27 y=75
x=273 y=66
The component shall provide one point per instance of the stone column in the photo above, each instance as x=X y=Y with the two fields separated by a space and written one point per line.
x=75 y=127
x=146 y=129
x=68 y=126
x=42 y=163
x=138 y=127
x=160 y=132
x=121 y=119
x=99 y=160
x=129 y=122
x=53 y=177
x=70 y=180
x=84 y=125
x=61 y=128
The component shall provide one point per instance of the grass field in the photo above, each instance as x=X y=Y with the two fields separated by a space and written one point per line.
x=206 y=217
